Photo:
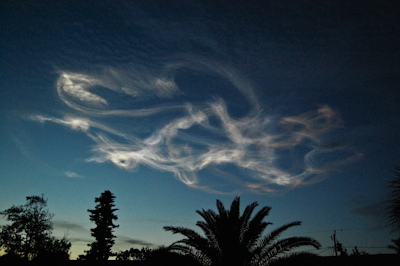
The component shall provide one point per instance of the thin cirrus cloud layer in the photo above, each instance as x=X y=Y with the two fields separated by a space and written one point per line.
x=203 y=142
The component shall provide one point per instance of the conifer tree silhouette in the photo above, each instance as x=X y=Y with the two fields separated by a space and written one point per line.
x=103 y=216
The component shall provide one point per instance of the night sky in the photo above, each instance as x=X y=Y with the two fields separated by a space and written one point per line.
x=171 y=105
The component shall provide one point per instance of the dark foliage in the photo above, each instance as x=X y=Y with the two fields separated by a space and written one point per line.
x=356 y=252
x=341 y=249
x=103 y=216
x=164 y=256
x=54 y=250
x=395 y=246
x=28 y=237
x=133 y=254
x=234 y=239
x=156 y=256
x=393 y=202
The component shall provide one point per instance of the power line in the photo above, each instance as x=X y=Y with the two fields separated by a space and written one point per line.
x=364 y=247
x=323 y=250
x=307 y=232
x=330 y=230
x=362 y=228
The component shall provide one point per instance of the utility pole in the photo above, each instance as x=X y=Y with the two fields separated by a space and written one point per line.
x=334 y=242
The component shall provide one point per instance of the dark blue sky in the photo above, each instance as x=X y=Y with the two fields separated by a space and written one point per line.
x=173 y=104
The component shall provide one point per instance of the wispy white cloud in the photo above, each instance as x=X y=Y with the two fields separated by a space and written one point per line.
x=74 y=123
x=78 y=90
x=78 y=85
x=73 y=175
x=272 y=152
x=77 y=123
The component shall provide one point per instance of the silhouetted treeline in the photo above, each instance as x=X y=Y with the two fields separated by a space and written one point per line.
x=231 y=237
x=368 y=260
x=29 y=235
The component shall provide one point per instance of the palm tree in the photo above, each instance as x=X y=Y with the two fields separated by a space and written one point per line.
x=234 y=239
x=396 y=246
x=393 y=207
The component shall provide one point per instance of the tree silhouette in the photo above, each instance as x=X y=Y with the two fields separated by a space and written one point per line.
x=131 y=254
x=157 y=256
x=103 y=216
x=341 y=249
x=234 y=239
x=355 y=251
x=394 y=200
x=29 y=234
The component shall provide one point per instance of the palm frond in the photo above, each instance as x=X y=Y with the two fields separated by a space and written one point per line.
x=184 y=249
x=189 y=233
x=256 y=227
x=396 y=246
x=297 y=257
x=268 y=239
x=394 y=200
x=245 y=218
x=223 y=215
x=209 y=216
x=193 y=240
x=234 y=212
x=209 y=232
x=288 y=244
x=198 y=256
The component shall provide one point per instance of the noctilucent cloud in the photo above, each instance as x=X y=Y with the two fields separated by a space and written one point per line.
x=171 y=105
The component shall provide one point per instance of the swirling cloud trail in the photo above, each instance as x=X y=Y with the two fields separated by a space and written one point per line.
x=201 y=136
